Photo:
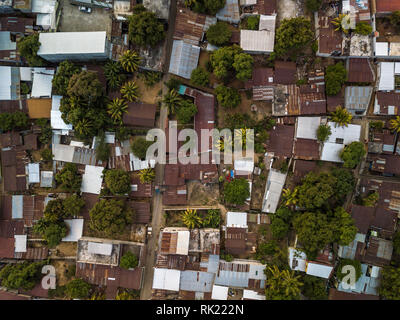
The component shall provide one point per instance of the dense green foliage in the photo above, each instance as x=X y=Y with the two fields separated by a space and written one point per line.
x=116 y=110
x=282 y=284
x=144 y=27
x=390 y=283
x=114 y=74
x=323 y=132
x=68 y=178
x=78 y=289
x=352 y=154
x=237 y=191
x=313 y=5
x=139 y=147
x=314 y=288
x=102 y=148
x=348 y=262
x=13 y=121
x=219 y=34
x=206 y=6
x=28 y=47
x=200 y=77
x=228 y=97
x=243 y=65
x=396 y=243
x=118 y=181
x=335 y=77
x=110 y=217
x=395 y=20
x=186 y=111
x=128 y=261
x=341 y=117
x=293 y=36
x=61 y=79
x=363 y=28
x=253 y=22
x=21 y=275
x=212 y=219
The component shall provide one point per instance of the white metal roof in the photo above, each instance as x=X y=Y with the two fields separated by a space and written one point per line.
x=219 y=293
x=46 y=179
x=56 y=121
x=297 y=260
x=72 y=42
x=43 y=6
x=63 y=152
x=267 y=23
x=307 y=127
x=273 y=189
x=20 y=243
x=92 y=179
x=349 y=134
x=182 y=245
x=318 y=270
x=17 y=210
x=236 y=219
x=331 y=152
x=75 y=229
x=244 y=165
x=166 y=279
x=386 y=81
x=253 y=295
x=33 y=173
x=42 y=85
x=257 y=41
x=5 y=83
x=382 y=49
x=25 y=73
x=104 y=249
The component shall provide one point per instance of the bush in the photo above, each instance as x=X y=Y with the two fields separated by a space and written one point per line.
x=186 y=111
x=206 y=6
x=352 y=154
x=139 y=147
x=68 y=178
x=237 y=191
x=313 y=5
x=28 y=47
x=46 y=155
x=363 y=28
x=323 y=132
x=128 y=261
x=219 y=34
x=253 y=22
x=200 y=77
x=61 y=79
x=78 y=289
x=118 y=181
x=314 y=288
x=228 y=97
x=13 y=121
x=21 y=276
x=335 y=77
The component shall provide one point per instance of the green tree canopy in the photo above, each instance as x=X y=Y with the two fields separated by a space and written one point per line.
x=73 y=205
x=54 y=233
x=54 y=210
x=314 y=288
x=253 y=22
x=28 y=47
x=363 y=28
x=293 y=36
x=118 y=181
x=65 y=71
x=343 y=225
x=86 y=85
x=128 y=261
x=282 y=284
x=243 y=65
x=110 y=217
x=389 y=287
x=21 y=275
x=102 y=148
x=114 y=74
x=219 y=34
x=335 y=77
x=186 y=111
x=323 y=132
x=68 y=178
x=13 y=121
x=144 y=27
x=139 y=147
x=352 y=154
x=313 y=5
x=345 y=182
x=206 y=6
x=348 y=262
x=222 y=61
x=279 y=227
x=237 y=191
x=200 y=77
x=78 y=289
x=396 y=243
x=228 y=97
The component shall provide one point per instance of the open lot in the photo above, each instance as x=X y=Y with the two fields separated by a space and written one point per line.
x=74 y=20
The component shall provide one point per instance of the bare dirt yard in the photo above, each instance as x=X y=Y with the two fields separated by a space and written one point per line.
x=201 y=195
x=147 y=94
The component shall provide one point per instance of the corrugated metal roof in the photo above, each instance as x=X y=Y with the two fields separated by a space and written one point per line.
x=307 y=127
x=184 y=58
x=386 y=81
x=20 y=243
x=75 y=229
x=230 y=12
x=100 y=248
x=166 y=279
x=42 y=85
x=46 y=179
x=33 y=173
x=196 y=281
x=92 y=179
x=17 y=207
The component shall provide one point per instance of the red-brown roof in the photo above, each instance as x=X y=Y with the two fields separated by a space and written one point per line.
x=235 y=240
x=306 y=149
x=171 y=196
x=285 y=72
x=329 y=39
x=340 y=295
x=13 y=105
x=7 y=248
x=16 y=24
x=142 y=211
x=261 y=77
x=9 y=139
x=4 y=295
x=144 y=190
x=140 y=114
x=363 y=217
x=30 y=141
x=267 y=7
x=281 y=140
x=189 y=25
x=386 y=6
x=386 y=99
x=360 y=71
x=302 y=168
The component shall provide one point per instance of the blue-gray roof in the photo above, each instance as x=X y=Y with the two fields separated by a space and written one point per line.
x=196 y=281
x=366 y=284
x=184 y=58
x=5 y=41
x=17 y=207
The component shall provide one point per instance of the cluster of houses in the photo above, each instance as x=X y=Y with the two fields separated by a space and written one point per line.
x=189 y=263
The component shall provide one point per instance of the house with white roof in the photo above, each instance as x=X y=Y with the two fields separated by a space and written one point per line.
x=75 y=230
x=298 y=262
x=75 y=46
x=262 y=40
x=340 y=137
x=306 y=127
x=92 y=179
x=166 y=279
x=236 y=219
x=56 y=120
x=273 y=190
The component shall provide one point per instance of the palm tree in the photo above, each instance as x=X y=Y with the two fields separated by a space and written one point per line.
x=341 y=117
x=341 y=22
x=395 y=124
x=241 y=137
x=130 y=61
x=116 y=109
x=130 y=91
x=191 y=219
x=172 y=100
x=83 y=127
x=282 y=285
x=113 y=74
x=289 y=197
x=223 y=143
x=147 y=175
